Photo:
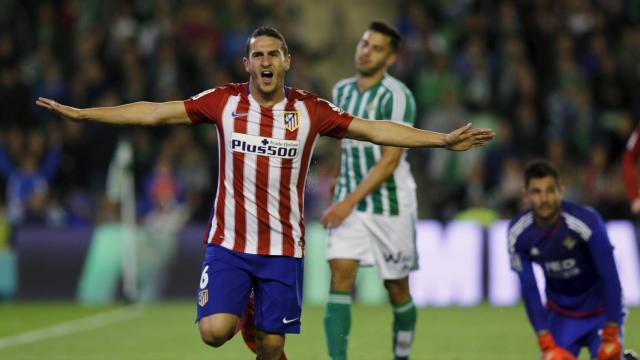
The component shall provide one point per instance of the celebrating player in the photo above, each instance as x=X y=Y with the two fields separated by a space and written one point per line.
x=266 y=132
x=373 y=217
x=570 y=243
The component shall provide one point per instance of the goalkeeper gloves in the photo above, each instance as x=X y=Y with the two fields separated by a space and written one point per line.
x=610 y=348
x=551 y=351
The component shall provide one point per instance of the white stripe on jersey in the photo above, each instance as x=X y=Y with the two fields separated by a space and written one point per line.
x=249 y=181
x=345 y=93
x=342 y=179
x=275 y=174
x=578 y=226
x=349 y=143
x=384 y=193
x=343 y=158
x=363 y=105
x=385 y=98
x=229 y=204
x=334 y=93
x=399 y=100
x=297 y=198
x=371 y=113
x=377 y=155
x=362 y=112
x=517 y=229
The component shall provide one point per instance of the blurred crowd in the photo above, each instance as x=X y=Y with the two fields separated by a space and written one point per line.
x=556 y=79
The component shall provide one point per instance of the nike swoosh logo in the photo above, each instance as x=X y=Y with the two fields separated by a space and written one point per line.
x=285 y=321
x=235 y=114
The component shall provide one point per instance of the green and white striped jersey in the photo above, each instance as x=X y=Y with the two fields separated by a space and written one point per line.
x=390 y=99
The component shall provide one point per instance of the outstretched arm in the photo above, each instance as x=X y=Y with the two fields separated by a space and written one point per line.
x=394 y=134
x=138 y=113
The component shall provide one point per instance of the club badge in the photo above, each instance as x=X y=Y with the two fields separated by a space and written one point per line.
x=291 y=122
x=203 y=297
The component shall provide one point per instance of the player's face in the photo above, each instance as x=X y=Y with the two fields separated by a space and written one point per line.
x=266 y=64
x=544 y=195
x=373 y=53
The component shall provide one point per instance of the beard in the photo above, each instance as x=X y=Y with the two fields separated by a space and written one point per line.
x=548 y=213
x=266 y=89
x=369 y=71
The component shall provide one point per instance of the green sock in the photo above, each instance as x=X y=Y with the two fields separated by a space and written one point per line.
x=404 y=324
x=337 y=324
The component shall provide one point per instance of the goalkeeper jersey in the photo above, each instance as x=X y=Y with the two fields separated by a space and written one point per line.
x=391 y=100
x=577 y=259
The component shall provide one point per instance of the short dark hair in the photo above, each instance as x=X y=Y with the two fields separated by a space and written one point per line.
x=267 y=31
x=538 y=169
x=388 y=30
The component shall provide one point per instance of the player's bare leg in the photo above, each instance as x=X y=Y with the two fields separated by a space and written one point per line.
x=343 y=274
x=404 y=316
x=398 y=290
x=337 y=319
x=269 y=346
x=217 y=329
x=246 y=325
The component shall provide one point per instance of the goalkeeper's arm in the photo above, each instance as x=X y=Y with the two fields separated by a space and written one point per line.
x=535 y=311
x=537 y=314
x=138 y=113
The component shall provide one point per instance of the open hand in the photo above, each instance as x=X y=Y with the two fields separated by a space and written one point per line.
x=465 y=138
x=335 y=214
x=64 y=111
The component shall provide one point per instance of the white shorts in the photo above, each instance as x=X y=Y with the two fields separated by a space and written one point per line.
x=388 y=242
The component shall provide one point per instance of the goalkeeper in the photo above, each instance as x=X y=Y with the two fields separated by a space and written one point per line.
x=570 y=243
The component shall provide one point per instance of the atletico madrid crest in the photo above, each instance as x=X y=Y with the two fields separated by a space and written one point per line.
x=203 y=297
x=291 y=122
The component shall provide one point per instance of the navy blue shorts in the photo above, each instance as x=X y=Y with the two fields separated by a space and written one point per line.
x=574 y=333
x=227 y=278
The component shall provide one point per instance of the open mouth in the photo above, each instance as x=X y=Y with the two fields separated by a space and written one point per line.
x=267 y=76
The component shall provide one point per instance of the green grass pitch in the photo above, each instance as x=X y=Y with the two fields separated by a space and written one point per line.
x=166 y=331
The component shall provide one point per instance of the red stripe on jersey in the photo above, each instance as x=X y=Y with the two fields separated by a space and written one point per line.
x=218 y=208
x=262 y=186
x=240 y=126
x=302 y=177
x=288 y=242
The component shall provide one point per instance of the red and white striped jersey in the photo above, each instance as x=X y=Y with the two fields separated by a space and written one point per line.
x=264 y=156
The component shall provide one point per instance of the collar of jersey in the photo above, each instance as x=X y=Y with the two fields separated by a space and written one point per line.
x=286 y=90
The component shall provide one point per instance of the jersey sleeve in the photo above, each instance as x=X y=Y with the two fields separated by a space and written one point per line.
x=332 y=121
x=629 y=164
x=205 y=107
x=536 y=313
x=522 y=265
x=399 y=106
x=602 y=254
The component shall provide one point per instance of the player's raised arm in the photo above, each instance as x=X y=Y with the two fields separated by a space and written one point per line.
x=394 y=134
x=138 y=113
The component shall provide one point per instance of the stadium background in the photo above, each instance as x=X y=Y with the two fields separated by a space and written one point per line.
x=559 y=79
